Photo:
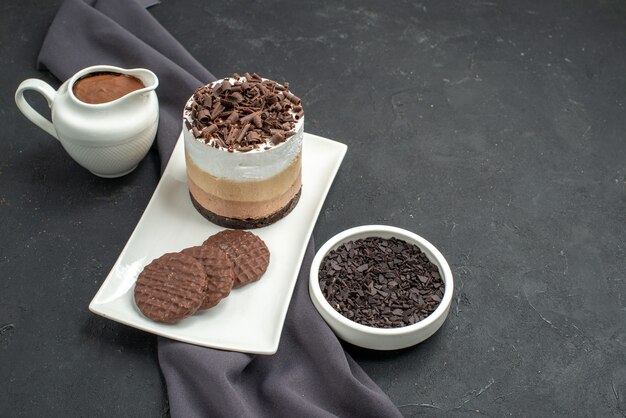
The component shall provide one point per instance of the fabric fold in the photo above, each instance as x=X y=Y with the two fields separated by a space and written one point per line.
x=310 y=375
x=124 y=34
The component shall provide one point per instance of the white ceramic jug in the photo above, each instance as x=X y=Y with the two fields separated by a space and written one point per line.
x=109 y=139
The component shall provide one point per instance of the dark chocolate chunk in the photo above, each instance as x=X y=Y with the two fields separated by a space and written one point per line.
x=383 y=283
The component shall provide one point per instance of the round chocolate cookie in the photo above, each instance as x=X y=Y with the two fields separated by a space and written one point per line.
x=247 y=251
x=219 y=271
x=171 y=287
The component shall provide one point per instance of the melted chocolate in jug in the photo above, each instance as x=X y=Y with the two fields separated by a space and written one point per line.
x=99 y=88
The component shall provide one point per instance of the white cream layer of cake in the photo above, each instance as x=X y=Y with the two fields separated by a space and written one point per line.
x=254 y=165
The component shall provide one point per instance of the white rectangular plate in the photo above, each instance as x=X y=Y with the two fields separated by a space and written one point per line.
x=251 y=318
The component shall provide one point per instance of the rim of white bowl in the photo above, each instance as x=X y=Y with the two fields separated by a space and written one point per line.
x=373 y=231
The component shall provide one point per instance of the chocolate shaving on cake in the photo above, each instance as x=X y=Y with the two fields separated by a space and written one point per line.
x=243 y=113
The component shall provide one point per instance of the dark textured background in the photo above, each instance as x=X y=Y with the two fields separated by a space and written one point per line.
x=494 y=129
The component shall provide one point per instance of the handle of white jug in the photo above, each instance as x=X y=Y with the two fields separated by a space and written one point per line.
x=47 y=92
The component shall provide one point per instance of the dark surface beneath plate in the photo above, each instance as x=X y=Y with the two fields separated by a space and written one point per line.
x=496 y=130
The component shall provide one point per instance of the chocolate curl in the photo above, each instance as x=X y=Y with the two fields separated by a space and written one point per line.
x=278 y=136
x=206 y=132
x=216 y=111
x=195 y=132
x=233 y=117
x=204 y=116
x=257 y=121
x=225 y=86
x=237 y=96
x=220 y=142
x=224 y=115
x=292 y=98
x=207 y=101
x=286 y=118
x=264 y=90
x=232 y=134
x=253 y=137
x=217 y=90
x=243 y=132
x=228 y=102
x=250 y=117
x=252 y=94
x=299 y=114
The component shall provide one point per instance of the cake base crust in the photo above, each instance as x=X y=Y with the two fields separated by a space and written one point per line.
x=249 y=223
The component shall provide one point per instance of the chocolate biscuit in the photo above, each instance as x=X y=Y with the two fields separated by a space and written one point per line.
x=171 y=287
x=247 y=251
x=219 y=270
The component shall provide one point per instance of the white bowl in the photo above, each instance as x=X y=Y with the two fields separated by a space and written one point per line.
x=381 y=338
